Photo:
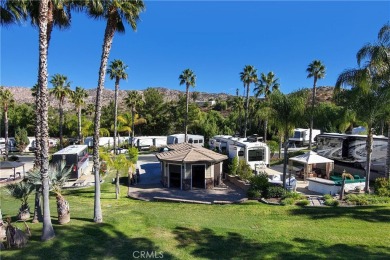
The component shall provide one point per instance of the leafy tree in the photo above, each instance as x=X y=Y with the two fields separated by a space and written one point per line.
x=61 y=90
x=78 y=99
x=265 y=85
x=315 y=70
x=188 y=78
x=6 y=101
x=116 y=13
x=21 y=139
x=117 y=71
x=248 y=76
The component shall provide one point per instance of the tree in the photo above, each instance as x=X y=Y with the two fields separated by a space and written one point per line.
x=195 y=95
x=6 y=101
x=22 y=191
x=127 y=121
x=12 y=12
x=78 y=99
x=344 y=176
x=21 y=139
x=133 y=101
x=286 y=111
x=265 y=85
x=315 y=70
x=248 y=76
x=188 y=78
x=117 y=71
x=115 y=13
x=61 y=90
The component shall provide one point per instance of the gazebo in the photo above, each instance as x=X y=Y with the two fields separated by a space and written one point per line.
x=314 y=165
x=12 y=165
x=186 y=166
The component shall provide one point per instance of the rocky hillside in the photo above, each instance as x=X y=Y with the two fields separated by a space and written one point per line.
x=23 y=95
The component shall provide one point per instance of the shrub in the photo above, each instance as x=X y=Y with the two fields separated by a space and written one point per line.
x=304 y=202
x=260 y=183
x=294 y=195
x=233 y=166
x=331 y=202
x=287 y=201
x=133 y=154
x=328 y=197
x=365 y=199
x=382 y=187
x=253 y=194
x=273 y=146
x=244 y=170
x=153 y=148
x=275 y=192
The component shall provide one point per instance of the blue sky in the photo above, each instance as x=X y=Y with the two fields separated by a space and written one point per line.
x=215 y=39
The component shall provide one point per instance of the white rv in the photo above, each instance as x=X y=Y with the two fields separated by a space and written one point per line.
x=145 y=142
x=192 y=139
x=104 y=141
x=251 y=149
x=301 y=136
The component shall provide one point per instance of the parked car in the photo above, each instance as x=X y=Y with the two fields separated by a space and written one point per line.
x=119 y=150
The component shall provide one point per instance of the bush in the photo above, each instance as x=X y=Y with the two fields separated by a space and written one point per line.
x=273 y=146
x=275 y=192
x=304 y=202
x=331 y=202
x=253 y=194
x=260 y=183
x=382 y=187
x=294 y=196
x=244 y=171
x=328 y=197
x=233 y=166
x=287 y=201
x=153 y=148
x=133 y=154
x=365 y=199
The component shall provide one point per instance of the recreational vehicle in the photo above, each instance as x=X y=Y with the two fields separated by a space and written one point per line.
x=301 y=137
x=104 y=141
x=11 y=145
x=145 y=142
x=351 y=149
x=250 y=149
x=75 y=156
x=192 y=139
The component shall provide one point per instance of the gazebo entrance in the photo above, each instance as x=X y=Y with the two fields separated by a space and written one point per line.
x=174 y=175
x=198 y=176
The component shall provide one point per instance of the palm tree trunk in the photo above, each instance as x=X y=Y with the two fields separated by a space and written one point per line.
x=246 y=109
x=6 y=132
x=61 y=123
x=79 y=125
x=387 y=171
x=116 y=112
x=312 y=112
x=186 y=121
x=47 y=231
x=117 y=185
x=108 y=37
x=265 y=130
x=368 y=158
x=62 y=210
x=37 y=205
x=132 y=125
x=38 y=114
x=285 y=159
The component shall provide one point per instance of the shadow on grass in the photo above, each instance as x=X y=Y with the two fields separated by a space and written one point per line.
x=366 y=213
x=206 y=244
x=90 y=241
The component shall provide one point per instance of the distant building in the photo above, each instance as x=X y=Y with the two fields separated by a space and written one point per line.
x=205 y=103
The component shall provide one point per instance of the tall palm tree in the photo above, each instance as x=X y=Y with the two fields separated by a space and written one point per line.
x=238 y=105
x=47 y=231
x=248 y=76
x=128 y=121
x=6 y=101
x=116 y=13
x=265 y=86
x=12 y=12
x=133 y=101
x=315 y=70
x=35 y=90
x=188 y=78
x=286 y=110
x=78 y=99
x=61 y=90
x=117 y=71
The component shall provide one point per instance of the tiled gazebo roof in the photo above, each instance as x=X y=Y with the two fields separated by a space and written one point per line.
x=187 y=153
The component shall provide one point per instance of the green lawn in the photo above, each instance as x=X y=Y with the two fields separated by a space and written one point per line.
x=183 y=231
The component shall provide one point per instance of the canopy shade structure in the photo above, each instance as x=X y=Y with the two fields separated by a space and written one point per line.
x=311 y=162
x=12 y=165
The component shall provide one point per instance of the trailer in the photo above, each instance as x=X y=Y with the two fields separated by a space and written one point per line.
x=301 y=137
x=351 y=150
x=75 y=157
x=104 y=141
x=145 y=142
x=192 y=139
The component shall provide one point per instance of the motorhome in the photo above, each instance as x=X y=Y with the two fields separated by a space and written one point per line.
x=11 y=145
x=351 y=149
x=104 y=141
x=192 y=139
x=74 y=156
x=145 y=142
x=301 y=137
x=250 y=149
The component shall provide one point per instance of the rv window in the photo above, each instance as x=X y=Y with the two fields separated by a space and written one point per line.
x=255 y=155
x=195 y=141
x=200 y=141
x=190 y=141
x=240 y=153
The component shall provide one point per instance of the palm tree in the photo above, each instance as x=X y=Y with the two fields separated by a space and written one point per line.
x=117 y=71
x=78 y=99
x=344 y=176
x=286 y=110
x=133 y=100
x=90 y=109
x=265 y=86
x=188 y=78
x=238 y=105
x=61 y=90
x=47 y=231
x=6 y=101
x=248 y=76
x=128 y=121
x=22 y=191
x=115 y=13
x=35 y=91
x=315 y=70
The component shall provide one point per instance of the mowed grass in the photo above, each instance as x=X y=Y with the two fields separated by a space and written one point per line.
x=184 y=231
